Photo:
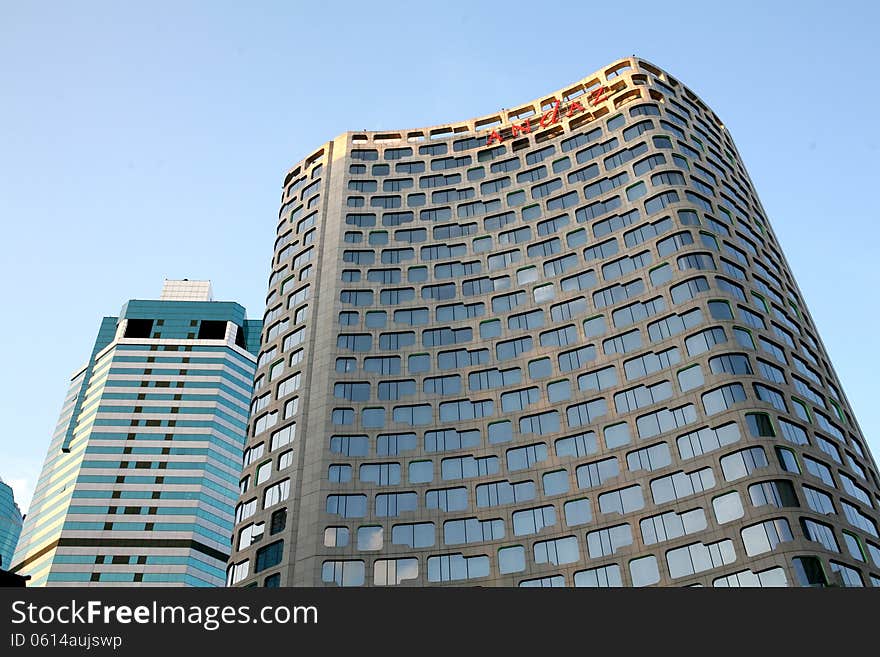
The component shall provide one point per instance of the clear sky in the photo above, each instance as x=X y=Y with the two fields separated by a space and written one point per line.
x=140 y=141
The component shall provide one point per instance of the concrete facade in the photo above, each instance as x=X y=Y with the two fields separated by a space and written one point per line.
x=554 y=346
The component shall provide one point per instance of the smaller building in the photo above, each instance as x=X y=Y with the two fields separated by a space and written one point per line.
x=143 y=469
x=10 y=524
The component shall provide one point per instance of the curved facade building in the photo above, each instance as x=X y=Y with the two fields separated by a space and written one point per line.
x=555 y=346
x=10 y=525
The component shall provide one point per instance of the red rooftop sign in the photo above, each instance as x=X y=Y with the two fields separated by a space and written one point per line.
x=553 y=115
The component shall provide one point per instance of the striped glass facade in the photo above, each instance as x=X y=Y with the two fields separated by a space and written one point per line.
x=10 y=525
x=142 y=471
x=557 y=346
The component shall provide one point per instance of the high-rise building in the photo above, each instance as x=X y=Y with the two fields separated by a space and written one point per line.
x=556 y=345
x=10 y=524
x=141 y=477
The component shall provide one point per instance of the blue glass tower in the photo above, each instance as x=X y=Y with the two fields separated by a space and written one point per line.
x=142 y=472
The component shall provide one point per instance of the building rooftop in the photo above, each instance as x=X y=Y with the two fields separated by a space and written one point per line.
x=186 y=290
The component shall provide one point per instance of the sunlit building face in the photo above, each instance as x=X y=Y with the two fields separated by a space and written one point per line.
x=555 y=346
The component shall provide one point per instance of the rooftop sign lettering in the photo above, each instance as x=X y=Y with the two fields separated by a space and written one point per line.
x=553 y=115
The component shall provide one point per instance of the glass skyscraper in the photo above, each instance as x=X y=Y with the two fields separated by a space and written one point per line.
x=554 y=346
x=10 y=525
x=142 y=472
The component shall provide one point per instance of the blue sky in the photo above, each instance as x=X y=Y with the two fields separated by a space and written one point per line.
x=140 y=141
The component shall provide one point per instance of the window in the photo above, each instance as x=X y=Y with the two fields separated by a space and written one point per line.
x=416 y=363
x=690 y=378
x=493 y=378
x=559 y=391
x=771 y=396
x=664 y=420
x=809 y=571
x=417 y=535
x=723 y=398
x=369 y=538
x=525 y=457
x=688 y=289
x=820 y=533
x=503 y=492
x=622 y=501
x=704 y=340
x=606 y=542
x=559 y=337
x=511 y=559
x=380 y=474
x=586 y=412
x=392 y=444
x=347 y=506
x=447 y=499
x=355 y=342
x=644 y=571
x=390 y=572
x=500 y=432
x=277 y=521
x=649 y=458
x=510 y=349
x=465 y=410
x=603 y=577
x=847 y=576
x=778 y=493
x=765 y=536
x=350 y=445
x=382 y=364
x=818 y=501
x=743 y=578
x=641 y=396
x=352 y=391
x=336 y=536
x=276 y=493
x=559 y=551
x=541 y=368
x=671 y=525
x=397 y=340
x=453 y=567
x=681 y=484
x=853 y=546
x=472 y=530
x=421 y=472
x=393 y=504
x=442 y=385
x=532 y=521
x=519 y=399
x=556 y=482
x=343 y=573
x=651 y=363
x=464 y=467
x=699 y=557
x=742 y=463
x=596 y=473
x=415 y=415
x=268 y=556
